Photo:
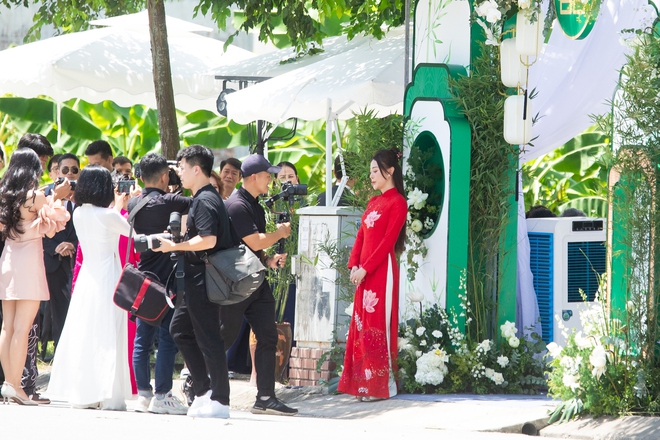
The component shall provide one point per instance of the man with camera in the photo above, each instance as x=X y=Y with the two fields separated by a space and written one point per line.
x=153 y=218
x=249 y=221
x=60 y=252
x=196 y=326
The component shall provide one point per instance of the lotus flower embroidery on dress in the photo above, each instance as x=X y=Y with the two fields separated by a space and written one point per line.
x=371 y=219
x=369 y=300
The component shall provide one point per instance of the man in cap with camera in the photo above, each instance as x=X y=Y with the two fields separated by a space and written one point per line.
x=153 y=218
x=195 y=326
x=249 y=221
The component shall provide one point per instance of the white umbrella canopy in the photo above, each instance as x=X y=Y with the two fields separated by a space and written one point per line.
x=140 y=21
x=285 y=60
x=368 y=75
x=115 y=63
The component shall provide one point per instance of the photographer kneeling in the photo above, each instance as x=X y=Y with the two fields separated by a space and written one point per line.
x=249 y=221
x=152 y=218
x=195 y=326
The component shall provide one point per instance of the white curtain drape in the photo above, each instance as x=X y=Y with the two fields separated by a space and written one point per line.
x=574 y=79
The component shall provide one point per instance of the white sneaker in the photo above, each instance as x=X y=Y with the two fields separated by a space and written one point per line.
x=167 y=405
x=214 y=409
x=184 y=373
x=198 y=403
x=142 y=404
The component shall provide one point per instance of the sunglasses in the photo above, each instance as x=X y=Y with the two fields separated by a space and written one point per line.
x=65 y=170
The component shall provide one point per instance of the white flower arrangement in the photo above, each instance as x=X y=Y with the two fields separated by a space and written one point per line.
x=420 y=331
x=490 y=15
x=503 y=361
x=432 y=368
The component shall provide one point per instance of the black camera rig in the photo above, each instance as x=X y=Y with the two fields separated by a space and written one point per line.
x=288 y=194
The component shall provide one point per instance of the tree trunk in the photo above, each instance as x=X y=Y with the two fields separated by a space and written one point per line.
x=160 y=53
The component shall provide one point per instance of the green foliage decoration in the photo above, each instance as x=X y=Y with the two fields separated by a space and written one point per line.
x=612 y=367
x=481 y=96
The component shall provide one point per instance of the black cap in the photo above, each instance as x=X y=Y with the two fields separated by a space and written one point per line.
x=256 y=163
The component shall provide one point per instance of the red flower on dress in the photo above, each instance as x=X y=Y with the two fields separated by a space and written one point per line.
x=371 y=219
x=369 y=301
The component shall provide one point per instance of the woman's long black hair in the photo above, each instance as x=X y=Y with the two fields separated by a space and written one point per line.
x=387 y=159
x=21 y=177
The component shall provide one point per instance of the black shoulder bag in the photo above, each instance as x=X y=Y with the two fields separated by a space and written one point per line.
x=233 y=274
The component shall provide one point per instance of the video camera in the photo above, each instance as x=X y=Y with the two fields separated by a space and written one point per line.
x=288 y=193
x=175 y=180
x=60 y=180
x=142 y=242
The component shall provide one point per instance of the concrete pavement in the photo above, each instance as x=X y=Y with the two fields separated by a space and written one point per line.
x=439 y=417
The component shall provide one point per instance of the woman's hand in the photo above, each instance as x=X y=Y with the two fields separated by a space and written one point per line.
x=121 y=199
x=62 y=191
x=357 y=275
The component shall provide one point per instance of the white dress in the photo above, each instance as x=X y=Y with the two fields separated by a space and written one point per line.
x=91 y=361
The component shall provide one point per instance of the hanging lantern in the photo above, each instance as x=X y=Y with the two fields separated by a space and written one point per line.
x=518 y=120
x=529 y=36
x=514 y=72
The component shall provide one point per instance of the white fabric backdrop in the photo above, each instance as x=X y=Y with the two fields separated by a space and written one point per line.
x=574 y=80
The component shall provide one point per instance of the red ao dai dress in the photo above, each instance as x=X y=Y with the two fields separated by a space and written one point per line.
x=371 y=347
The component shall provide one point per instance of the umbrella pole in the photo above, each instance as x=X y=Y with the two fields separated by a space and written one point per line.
x=328 y=154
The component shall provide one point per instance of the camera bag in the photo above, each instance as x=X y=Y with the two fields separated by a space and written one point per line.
x=141 y=293
x=233 y=274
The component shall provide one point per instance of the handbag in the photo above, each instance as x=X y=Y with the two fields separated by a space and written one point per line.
x=233 y=274
x=141 y=293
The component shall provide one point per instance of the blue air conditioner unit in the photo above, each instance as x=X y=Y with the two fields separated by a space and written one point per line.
x=567 y=258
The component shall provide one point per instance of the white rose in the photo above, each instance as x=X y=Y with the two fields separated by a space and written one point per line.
x=498 y=378
x=489 y=373
x=417 y=199
x=514 y=342
x=598 y=358
x=437 y=334
x=582 y=342
x=402 y=344
x=508 y=329
x=524 y=4
x=422 y=343
x=485 y=7
x=420 y=331
x=485 y=345
x=418 y=353
x=571 y=381
x=503 y=361
x=416 y=225
x=493 y=16
x=554 y=349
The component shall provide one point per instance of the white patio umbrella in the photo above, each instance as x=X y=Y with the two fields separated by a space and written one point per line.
x=115 y=64
x=370 y=75
x=140 y=22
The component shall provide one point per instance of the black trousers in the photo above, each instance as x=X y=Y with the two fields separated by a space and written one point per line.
x=195 y=329
x=59 y=286
x=259 y=310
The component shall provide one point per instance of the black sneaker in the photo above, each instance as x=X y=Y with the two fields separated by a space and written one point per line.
x=272 y=406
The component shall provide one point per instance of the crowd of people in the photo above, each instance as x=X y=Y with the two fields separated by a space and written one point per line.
x=49 y=292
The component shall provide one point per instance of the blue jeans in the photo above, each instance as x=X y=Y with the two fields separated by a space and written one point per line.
x=144 y=341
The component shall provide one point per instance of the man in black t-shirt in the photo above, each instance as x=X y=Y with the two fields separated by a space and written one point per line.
x=153 y=218
x=196 y=326
x=249 y=221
